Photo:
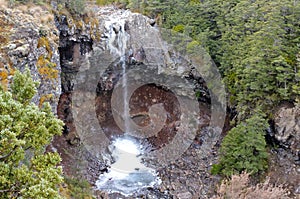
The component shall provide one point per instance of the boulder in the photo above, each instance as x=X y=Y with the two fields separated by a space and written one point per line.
x=287 y=127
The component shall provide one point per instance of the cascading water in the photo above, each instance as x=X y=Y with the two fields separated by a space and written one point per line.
x=117 y=45
x=127 y=175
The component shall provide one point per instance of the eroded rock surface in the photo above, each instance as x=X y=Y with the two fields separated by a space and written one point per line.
x=287 y=128
x=29 y=38
x=61 y=51
x=285 y=160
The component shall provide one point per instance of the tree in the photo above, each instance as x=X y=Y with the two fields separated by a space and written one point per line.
x=259 y=48
x=26 y=171
x=244 y=148
x=254 y=44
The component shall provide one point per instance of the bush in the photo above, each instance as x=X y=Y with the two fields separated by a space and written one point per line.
x=25 y=129
x=77 y=6
x=244 y=148
x=78 y=188
x=179 y=28
x=239 y=187
x=104 y=2
x=27 y=1
x=74 y=7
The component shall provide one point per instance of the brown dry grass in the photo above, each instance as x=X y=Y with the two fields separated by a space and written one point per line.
x=22 y=8
x=239 y=188
x=3 y=4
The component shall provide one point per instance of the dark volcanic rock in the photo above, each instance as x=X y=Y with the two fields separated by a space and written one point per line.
x=92 y=70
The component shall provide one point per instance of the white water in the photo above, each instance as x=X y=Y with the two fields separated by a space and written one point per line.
x=127 y=174
x=117 y=41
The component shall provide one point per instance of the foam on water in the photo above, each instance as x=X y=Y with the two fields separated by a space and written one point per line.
x=127 y=145
x=127 y=174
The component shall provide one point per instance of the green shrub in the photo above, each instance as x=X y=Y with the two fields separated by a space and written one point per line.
x=79 y=188
x=77 y=6
x=244 y=148
x=104 y=2
x=25 y=130
x=179 y=28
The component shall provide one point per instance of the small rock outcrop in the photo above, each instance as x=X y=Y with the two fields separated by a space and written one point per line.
x=287 y=128
x=284 y=159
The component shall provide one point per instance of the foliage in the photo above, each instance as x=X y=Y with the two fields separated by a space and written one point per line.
x=23 y=87
x=25 y=130
x=259 y=48
x=244 y=148
x=12 y=2
x=239 y=187
x=76 y=6
x=78 y=188
x=255 y=45
x=46 y=68
x=179 y=28
x=104 y=2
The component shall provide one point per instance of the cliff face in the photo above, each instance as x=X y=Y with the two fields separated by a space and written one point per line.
x=95 y=53
x=83 y=57
x=29 y=38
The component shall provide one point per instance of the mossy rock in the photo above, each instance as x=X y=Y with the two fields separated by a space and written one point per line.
x=46 y=68
x=44 y=98
x=44 y=42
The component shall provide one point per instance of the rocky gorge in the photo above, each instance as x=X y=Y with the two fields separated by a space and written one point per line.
x=78 y=63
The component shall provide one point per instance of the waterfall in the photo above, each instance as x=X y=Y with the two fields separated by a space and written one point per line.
x=124 y=81
x=117 y=44
x=127 y=174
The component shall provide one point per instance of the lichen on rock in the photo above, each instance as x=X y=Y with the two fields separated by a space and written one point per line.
x=29 y=39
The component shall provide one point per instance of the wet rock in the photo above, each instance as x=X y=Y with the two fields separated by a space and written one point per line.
x=297 y=190
x=73 y=138
x=80 y=51
x=152 y=22
x=139 y=55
